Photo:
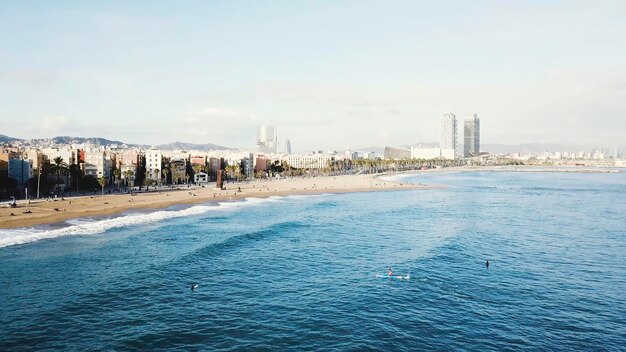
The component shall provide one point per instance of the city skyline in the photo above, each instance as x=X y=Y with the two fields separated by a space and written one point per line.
x=313 y=175
x=211 y=73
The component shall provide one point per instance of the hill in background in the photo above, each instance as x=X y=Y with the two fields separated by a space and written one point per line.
x=64 y=140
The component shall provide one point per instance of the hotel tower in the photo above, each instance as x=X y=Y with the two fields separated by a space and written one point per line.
x=448 y=138
x=471 y=145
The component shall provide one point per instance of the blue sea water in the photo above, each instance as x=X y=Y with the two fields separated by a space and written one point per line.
x=298 y=273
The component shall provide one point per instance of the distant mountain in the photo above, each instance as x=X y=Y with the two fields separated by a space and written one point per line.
x=423 y=145
x=529 y=148
x=7 y=139
x=490 y=148
x=192 y=146
x=90 y=140
x=99 y=141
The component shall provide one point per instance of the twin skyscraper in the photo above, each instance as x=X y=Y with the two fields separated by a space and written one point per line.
x=471 y=132
x=267 y=140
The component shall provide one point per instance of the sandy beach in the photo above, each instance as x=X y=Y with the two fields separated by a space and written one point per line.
x=58 y=210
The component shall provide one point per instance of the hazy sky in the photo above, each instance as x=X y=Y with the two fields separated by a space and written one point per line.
x=331 y=74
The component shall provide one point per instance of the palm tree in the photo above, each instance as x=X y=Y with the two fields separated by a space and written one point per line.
x=196 y=170
x=230 y=170
x=165 y=173
x=103 y=182
x=60 y=167
x=75 y=174
x=128 y=174
x=239 y=174
x=117 y=173
x=157 y=174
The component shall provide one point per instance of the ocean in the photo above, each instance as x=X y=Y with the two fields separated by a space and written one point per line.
x=299 y=272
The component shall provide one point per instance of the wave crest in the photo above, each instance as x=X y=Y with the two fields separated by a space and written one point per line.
x=86 y=226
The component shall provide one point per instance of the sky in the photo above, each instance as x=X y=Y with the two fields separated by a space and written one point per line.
x=330 y=74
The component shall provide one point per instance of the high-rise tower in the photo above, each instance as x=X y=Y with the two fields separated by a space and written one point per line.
x=471 y=135
x=448 y=138
x=267 y=139
x=287 y=147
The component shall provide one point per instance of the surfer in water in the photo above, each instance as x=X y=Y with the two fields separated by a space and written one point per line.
x=487 y=264
x=194 y=286
x=389 y=271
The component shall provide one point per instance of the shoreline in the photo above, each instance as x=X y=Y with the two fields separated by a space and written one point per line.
x=61 y=210
x=511 y=168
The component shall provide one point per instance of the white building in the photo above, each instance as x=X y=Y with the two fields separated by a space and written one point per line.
x=130 y=179
x=154 y=160
x=315 y=161
x=449 y=135
x=425 y=153
x=68 y=154
x=350 y=155
x=448 y=154
x=432 y=153
x=201 y=178
x=95 y=164
x=369 y=155
x=176 y=154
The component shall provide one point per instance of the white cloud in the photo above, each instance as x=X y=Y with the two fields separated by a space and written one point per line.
x=54 y=123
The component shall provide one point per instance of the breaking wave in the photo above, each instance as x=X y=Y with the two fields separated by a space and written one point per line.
x=87 y=226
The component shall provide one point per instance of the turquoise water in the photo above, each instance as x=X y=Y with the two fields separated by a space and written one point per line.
x=298 y=273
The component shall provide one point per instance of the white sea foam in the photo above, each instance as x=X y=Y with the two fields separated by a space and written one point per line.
x=398 y=177
x=86 y=226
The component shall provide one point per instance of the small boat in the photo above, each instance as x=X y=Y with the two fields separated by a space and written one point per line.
x=399 y=277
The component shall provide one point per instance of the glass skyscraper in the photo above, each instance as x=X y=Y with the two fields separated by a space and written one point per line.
x=287 y=146
x=267 y=139
x=471 y=145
